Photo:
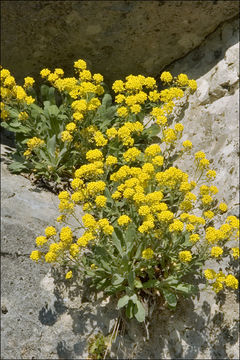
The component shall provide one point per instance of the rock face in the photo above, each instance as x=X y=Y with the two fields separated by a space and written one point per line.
x=41 y=320
x=116 y=38
x=212 y=118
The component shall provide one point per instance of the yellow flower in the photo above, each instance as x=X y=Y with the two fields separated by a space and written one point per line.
x=89 y=221
x=158 y=160
x=122 y=111
x=9 y=81
x=152 y=150
x=131 y=154
x=35 y=255
x=52 y=77
x=124 y=220
x=77 y=196
x=71 y=127
x=185 y=256
x=74 y=250
x=204 y=163
x=200 y=155
x=20 y=93
x=135 y=109
x=235 y=253
x=210 y=274
x=98 y=78
x=28 y=82
x=128 y=193
x=217 y=286
x=146 y=225
x=88 y=236
x=66 y=136
x=216 y=251
x=231 y=281
x=50 y=231
x=44 y=73
x=99 y=139
x=169 y=136
x=209 y=214
x=111 y=160
x=187 y=144
x=29 y=100
x=144 y=210
x=27 y=153
x=223 y=207
x=194 y=238
x=94 y=155
x=233 y=221
x=182 y=79
x=177 y=225
x=118 y=86
x=69 y=275
x=60 y=218
x=85 y=75
x=213 y=189
x=166 y=77
x=63 y=195
x=190 y=227
x=50 y=257
x=192 y=84
x=4 y=73
x=80 y=64
x=211 y=174
x=66 y=235
x=179 y=127
x=59 y=72
x=116 y=195
x=34 y=143
x=76 y=183
x=165 y=216
x=41 y=240
x=206 y=199
x=101 y=201
x=147 y=254
x=23 y=116
x=111 y=133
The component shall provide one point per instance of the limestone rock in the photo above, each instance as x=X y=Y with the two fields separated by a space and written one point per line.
x=211 y=120
x=41 y=321
x=116 y=38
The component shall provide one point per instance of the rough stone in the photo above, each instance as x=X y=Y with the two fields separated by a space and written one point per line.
x=211 y=120
x=115 y=37
x=44 y=320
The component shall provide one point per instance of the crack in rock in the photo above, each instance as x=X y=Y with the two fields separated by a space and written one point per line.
x=5 y=253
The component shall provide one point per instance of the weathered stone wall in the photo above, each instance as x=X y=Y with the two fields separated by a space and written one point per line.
x=116 y=38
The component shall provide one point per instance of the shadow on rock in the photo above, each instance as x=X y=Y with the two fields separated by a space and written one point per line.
x=48 y=316
x=190 y=332
x=63 y=351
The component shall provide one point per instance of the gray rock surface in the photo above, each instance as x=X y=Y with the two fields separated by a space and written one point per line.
x=211 y=120
x=42 y=319
x=115 y=37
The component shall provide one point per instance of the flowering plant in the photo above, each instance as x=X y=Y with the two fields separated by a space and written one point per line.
x=54 y=124
x=148 y=228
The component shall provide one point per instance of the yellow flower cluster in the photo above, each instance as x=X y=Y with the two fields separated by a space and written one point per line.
x=220 y=280
x=172 y=178
x=131 y=154
x=10 y=90
x=33 y=144
x=147 y=254
x=130 y=186
x=185 y=256
x=124 y=220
